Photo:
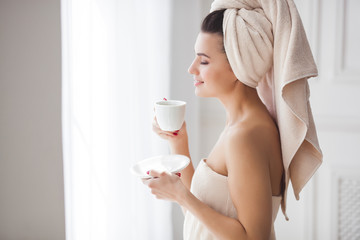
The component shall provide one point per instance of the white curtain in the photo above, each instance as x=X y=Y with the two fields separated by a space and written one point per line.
x=116 y=63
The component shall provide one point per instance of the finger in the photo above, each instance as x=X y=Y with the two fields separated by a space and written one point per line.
x=158 y=174
x=167 y=135
x=146 y=180
x=156 y=128
x=155 y=124
x=154 y=173
x=171 y=133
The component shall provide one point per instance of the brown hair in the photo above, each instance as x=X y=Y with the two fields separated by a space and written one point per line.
x=213 y=23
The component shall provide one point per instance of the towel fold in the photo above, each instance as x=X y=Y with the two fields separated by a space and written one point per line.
x=267 y=48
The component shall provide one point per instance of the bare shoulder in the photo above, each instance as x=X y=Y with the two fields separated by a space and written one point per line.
x=257 y=139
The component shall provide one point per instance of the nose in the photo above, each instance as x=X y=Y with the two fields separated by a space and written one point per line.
x=192 y=69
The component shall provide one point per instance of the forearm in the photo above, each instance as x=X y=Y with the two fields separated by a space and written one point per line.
x=221 y=226
x=181 y=146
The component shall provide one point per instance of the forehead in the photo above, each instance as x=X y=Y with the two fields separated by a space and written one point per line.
x=208 y=43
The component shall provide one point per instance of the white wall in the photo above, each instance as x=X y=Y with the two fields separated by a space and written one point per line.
x=31 y=175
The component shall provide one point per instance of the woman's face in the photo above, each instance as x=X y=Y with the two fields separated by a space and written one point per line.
x=213 y=76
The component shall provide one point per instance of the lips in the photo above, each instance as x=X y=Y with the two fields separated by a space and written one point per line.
x=197 y=83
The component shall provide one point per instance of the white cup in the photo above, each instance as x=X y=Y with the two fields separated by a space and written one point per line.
x=170 y=114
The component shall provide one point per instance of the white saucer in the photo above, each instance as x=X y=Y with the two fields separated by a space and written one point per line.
x=169 y=163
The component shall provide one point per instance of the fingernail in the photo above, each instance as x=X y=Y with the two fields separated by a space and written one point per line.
x=179 y=174
x=148 y=172
x=165 y=99
x=175 y=133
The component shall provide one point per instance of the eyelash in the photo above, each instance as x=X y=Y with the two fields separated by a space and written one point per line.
x=204 y=63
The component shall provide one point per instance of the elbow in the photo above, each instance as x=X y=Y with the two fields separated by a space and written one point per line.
x=256 y=234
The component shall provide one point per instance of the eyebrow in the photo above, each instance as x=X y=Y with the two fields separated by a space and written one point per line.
x=202 y=54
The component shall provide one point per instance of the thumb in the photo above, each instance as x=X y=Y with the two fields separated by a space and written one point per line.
x=154 y=173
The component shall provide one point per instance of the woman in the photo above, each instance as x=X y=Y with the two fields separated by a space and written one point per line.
x=235 y=193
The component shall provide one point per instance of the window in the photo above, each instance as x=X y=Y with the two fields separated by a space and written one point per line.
x=115 y=65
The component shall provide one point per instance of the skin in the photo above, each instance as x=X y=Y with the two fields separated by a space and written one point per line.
x=247 y=151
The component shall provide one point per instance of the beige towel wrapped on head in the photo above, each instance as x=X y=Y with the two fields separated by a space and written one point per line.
x=267 y=48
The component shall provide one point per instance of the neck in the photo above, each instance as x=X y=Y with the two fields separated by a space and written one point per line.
x=239 y=102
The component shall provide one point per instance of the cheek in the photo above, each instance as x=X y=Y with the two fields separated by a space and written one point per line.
x=220 y=81
x=212 y=84
x=211 y=76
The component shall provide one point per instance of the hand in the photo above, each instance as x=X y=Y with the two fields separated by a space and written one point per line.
x=170 y=136
x=166 y=186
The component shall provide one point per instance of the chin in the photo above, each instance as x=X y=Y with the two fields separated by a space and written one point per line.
x=200 y=93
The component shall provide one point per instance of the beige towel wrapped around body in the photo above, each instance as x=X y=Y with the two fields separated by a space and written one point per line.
x=267 y=48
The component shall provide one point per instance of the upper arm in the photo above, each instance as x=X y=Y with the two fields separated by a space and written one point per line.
x=249 y=181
